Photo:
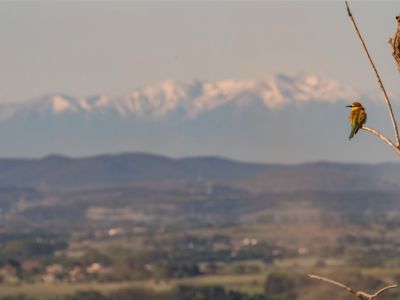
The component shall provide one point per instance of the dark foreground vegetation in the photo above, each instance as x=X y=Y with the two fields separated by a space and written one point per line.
x=180 y=293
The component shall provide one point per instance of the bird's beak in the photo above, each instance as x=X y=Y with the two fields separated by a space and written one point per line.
x=349 y=105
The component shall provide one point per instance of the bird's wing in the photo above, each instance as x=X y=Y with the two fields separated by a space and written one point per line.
x=362 y=117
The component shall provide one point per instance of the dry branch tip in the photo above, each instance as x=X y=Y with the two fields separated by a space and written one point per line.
x=360 y=294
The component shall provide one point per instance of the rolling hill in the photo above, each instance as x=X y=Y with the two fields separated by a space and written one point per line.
x=141 y=169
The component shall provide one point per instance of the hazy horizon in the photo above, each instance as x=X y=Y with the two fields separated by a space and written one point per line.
x=119 y=49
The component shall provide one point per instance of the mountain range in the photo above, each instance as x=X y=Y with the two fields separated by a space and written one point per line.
x=160 y=172
x=191 y=98
x=281 y=118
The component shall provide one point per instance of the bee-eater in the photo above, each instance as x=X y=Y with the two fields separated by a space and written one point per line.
x=357 y=118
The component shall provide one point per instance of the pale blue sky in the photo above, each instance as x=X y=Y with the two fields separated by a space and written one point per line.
x=85 y=48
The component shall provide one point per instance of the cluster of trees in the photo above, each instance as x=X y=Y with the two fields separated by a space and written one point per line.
x=30 y=248
x=278 y=286
x=180 y=293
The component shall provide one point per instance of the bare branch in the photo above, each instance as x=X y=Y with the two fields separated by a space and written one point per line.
x=385 y=289
x=395 y=43
x=338 y=284
x=360 y=294
x=388 y=104
x=383 y=138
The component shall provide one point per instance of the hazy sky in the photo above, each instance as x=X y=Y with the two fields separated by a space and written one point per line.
x=85 y=48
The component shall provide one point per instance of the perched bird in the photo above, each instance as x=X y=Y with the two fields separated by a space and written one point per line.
x=357 y=118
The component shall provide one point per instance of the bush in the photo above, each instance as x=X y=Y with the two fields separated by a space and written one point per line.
x=280 y=286
x=86 y=295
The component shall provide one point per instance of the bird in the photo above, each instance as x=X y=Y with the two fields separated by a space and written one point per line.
x=357 y=118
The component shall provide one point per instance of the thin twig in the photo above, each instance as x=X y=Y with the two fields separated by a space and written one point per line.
x=360 y=294
x=383 y=138
x=338 y=284
x=384 y=289
x=388 y=104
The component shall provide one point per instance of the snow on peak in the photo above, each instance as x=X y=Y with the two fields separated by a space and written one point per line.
x=196 y=97
x=311 y=80
x=60 y=104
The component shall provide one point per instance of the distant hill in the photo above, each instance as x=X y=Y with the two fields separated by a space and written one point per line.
x=141 y=169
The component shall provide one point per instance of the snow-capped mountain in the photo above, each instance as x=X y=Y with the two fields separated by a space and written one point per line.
x=192 y=97
x=281 y=118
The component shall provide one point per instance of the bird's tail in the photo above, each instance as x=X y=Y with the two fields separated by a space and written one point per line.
x=353 y=132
